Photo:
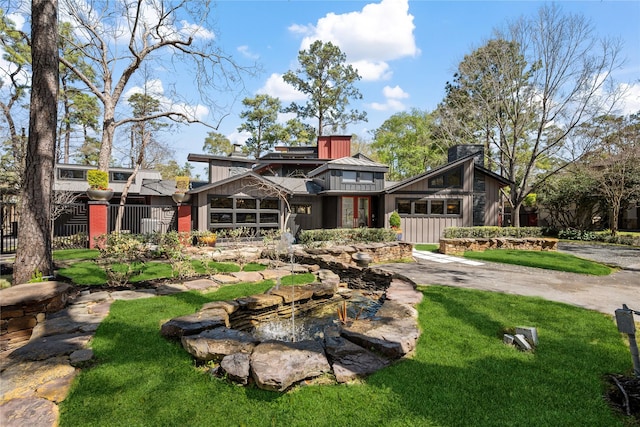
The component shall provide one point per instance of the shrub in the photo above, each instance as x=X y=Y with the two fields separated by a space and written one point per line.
x=394 y=219
x=346 y=236
x=491 y=232
x=98 y=179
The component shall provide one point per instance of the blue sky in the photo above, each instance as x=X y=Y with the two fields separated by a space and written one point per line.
x=406 y=51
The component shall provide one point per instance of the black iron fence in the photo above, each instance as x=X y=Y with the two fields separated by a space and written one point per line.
x=8 y=228
x=144 y=219
x=70 y=227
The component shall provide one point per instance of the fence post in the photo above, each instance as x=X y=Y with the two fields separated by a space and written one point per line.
x=98 y=220
x=184 y=218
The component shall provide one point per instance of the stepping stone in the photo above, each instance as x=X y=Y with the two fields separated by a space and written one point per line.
x=217 y=343
x=47 y=347
x=33 y=412
x=225 y=279
x=201 y=284
x=248 y=276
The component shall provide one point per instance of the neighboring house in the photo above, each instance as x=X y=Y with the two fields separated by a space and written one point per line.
x=325 y=187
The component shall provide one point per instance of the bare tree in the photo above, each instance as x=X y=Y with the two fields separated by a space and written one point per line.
x=34 y=234
x=119 y=36
x=551 y=76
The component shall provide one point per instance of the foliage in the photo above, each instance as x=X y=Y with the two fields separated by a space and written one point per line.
x=427 y=247
x=394 y=219
x=218 y=144
x=98 y=179
x=122 y=256
x=143 y=379
x=547 y=260
x=489 y=232
x=37 y=277
x=171 y=169
x=600 y=236
x=329 y=85
x=405 y=142
x=346 y=235
x=559 y=71
x=261 y=121
x=182 y=184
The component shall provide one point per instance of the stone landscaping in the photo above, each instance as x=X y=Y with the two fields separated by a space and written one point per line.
x=459 y=246
x=222 y=332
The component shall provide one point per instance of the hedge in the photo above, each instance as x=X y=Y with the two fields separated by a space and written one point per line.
x=347 y=235
x=491 y=232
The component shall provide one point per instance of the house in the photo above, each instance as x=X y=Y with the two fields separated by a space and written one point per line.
x=301 y=188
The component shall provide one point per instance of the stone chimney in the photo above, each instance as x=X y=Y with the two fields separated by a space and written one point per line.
x=463 y=150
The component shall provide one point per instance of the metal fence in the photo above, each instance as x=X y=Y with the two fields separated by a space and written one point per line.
x=144 y=219
x=70 y=228
x=8 y=228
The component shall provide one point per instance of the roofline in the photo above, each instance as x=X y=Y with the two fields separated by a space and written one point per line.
x=247 y=174
x=193 y=157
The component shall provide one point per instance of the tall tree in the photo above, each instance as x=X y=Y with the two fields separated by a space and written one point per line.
x=151 y=28
x=218 y=144
x=550 y=75
x=329 y=83
x=34 y=234
x=261 y=121
x=405 y=143
x=14 y=80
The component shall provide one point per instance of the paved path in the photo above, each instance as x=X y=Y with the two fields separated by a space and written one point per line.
x=601 y=293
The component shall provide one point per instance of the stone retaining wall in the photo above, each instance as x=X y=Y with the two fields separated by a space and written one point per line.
x=379 y=252
x=460 y=245
x=22 y=307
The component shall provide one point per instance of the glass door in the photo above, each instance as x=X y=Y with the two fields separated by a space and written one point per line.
x=356 y=212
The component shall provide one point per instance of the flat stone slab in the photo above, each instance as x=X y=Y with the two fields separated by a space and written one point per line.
x=32 y=412
x=248 y=276
x=228 y=306
x=22 y=379
x=274 y=274
x=404 y=292
x=292 y=293
x=350 y=361
x=170 y=288
x=31 y=293
x=47 y=347
x=259 y=301
x=225 y=279
x=394 y=338
x=193 y=324
x=201 y=284
x=133 y=295
x=276 y=365
x=217 y=343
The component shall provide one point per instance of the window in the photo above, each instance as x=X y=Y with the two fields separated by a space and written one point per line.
x=349 y=176
x=420 y=207
x=120 y=176
x=453 y=207
x=359 y=177
x=403 y=206
x=220 y=218
x=221 y=203
x=301 y=209
x=450 y=179
x=72 y=174
x=244 y=218
x=366 y=177
x=268 y=218
x=245 y=203
x=269 y=204
x=437 y=207
x=407 y=207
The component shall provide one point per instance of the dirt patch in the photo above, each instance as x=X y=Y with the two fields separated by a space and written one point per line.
x=624 y=395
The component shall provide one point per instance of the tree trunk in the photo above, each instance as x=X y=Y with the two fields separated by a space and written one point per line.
x=34 y=233
x=123 y=198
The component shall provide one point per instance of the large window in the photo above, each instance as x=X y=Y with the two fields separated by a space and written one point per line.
x=232 y=212
x=450 y=179
x=428 y=207
x=360 y=177
x=72 y=174
x=120 y=176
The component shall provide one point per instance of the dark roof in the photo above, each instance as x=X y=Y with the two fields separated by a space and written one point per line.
x=192 y=157
x=248 y=174
x=351 y=163
x=444 y=168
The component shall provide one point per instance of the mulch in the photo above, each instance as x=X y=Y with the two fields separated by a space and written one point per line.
x=624 y=395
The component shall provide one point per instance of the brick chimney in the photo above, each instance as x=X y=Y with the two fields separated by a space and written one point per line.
x=334 y=146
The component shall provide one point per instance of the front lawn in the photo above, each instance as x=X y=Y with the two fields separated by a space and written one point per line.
x=461 y=373
x=542 y=259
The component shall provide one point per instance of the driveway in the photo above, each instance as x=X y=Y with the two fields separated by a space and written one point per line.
x=600 y=293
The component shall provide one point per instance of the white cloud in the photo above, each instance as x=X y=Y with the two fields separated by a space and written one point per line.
x=380 y=32
x=393 y=96
x=196 y=31
x=239 y=137
x=630 y=102
x=276 y=87
x=246 y=52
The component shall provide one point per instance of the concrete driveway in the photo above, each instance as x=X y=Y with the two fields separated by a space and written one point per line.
x=600 y=293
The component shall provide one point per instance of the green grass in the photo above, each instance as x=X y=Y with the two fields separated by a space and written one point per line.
x=90 y=273
x=542 y=259
x=76 y=254
x=428 y=247
x=461 y=373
